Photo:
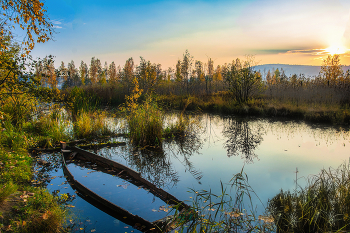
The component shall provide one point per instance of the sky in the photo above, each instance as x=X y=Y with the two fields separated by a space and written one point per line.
x=302 y=32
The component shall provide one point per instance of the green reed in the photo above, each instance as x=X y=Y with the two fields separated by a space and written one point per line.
x=224 y=212
x=91 y=125
x=322 y=206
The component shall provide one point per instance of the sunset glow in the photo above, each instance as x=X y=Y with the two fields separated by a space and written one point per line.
x=336 y=49
x=161 y=31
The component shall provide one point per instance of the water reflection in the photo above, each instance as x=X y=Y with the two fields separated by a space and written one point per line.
x=182 y=149
x=157 y=165
x=44 y=165
x=242 y=138
x=154 y=165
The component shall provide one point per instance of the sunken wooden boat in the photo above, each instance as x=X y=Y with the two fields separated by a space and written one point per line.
x=70 y=153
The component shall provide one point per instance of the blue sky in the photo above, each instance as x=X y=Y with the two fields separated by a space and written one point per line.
x=289 y=32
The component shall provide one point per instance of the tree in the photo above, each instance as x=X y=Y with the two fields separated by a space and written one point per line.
x=186 y=66
x=147 y=75
x=217 y=77
x=83 y=72
x=242 y=80
x=73 y=74
x=331 y=70
x=30 y=16
x=95 y=70
x=178 y=77
x=63 y=72
x=276 y=76
x=128 y=74
x=46 y=73
x=199 y=71
x=112 y=73
x=209 y=76
x=103 y=74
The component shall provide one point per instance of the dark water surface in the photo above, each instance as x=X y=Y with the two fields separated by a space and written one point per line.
x=270 y=151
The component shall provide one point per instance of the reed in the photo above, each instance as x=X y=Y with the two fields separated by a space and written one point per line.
x=77 y=100
x=17 y=108
x=144 y=120
x=49 y=128
x=145 y=124
x=322 y=206
x=91 y=125
x=224 y=212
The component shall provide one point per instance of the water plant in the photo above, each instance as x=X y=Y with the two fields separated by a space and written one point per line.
x=322 y=206
x=49 y=128
x=78 y=100
x=91 y=124
x=225 y=212
x=144 y=121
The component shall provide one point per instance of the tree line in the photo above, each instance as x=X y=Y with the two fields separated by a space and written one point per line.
x=189 y=77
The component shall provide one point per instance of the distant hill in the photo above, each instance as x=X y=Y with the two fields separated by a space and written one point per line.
x=308 y=71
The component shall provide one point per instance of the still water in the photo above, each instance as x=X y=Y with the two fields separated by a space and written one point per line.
x=272 y=153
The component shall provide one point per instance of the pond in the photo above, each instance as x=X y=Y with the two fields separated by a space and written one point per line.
x=273 y=154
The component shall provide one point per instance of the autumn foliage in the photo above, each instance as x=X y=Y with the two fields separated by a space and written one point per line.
x=30 y=16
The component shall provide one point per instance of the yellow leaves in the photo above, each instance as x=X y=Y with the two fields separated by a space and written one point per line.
x=30 y=16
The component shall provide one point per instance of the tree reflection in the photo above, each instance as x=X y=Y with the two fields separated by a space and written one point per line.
x=243 y=138
x=154 y=165
x=182 y=149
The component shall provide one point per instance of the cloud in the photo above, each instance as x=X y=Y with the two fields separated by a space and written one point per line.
x=56 y=22
x=315 y=52
x=55 y=26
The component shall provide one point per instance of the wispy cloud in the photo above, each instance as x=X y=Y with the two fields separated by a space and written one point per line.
x=315 y=52
x=55 y=26
x=56 y=22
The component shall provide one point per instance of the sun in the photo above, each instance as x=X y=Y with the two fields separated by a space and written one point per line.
x=336 y=49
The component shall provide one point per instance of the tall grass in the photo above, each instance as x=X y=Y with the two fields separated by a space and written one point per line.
x=13 y=137
x=224 y=212
x=49 y=128
x=17 y=109
x=183 y=126
x=144 y=120
x=322 y=206
x=77 y=100
x=91 y=124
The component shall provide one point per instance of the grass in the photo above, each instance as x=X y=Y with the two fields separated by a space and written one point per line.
x=146 y=120
x=224 y=212
x=223 y=103
x=48 y=129
x=322 y=206
x=7 y=190
x=79 y=100
x=91 y=125
x=145 y=124
x=25 y=208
